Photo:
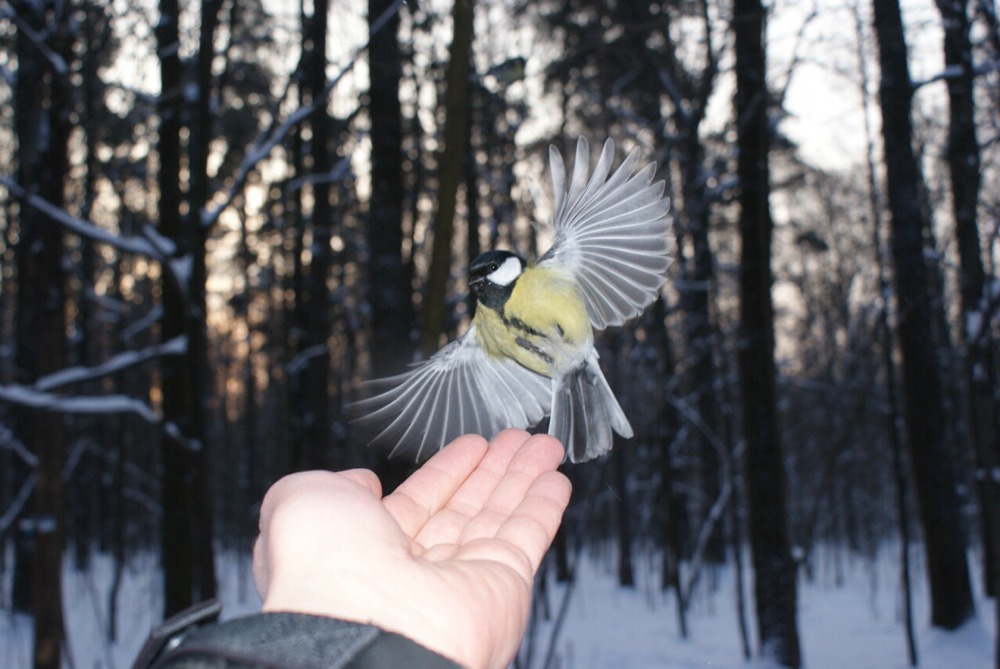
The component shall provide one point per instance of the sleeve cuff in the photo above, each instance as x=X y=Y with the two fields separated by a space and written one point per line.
x=293 y=641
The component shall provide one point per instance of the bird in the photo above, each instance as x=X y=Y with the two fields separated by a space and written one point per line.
x=529 y=350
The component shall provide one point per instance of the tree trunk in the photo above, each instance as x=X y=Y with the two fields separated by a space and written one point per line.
x=774 y=569
x=456 y=135
x=623 y=513
x=391 y=295
x=186 y=548
x=698 y=332
x=980 y=365
x=315 y=374
x=892 y=417
x=42 y=126
x=669 y=503
x=201 y=132
x=963 y=167
x=690 y=90
x=947 y=570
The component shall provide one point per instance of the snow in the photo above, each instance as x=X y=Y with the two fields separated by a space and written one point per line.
x=973 y=325
x=117 y=363
x=77 y=404
x=856 y=624
x=83 y=227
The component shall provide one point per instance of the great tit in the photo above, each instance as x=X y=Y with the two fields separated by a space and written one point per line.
x=529 y=351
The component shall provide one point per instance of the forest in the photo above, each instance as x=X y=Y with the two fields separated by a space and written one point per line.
x=220 y=218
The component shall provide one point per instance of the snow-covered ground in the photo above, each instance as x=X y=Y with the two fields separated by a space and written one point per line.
x=856 y=625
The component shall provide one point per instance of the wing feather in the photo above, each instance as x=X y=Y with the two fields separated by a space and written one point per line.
x=612 y=233
x=459 y=390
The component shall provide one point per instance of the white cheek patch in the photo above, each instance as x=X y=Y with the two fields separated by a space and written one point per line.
x=506 y=273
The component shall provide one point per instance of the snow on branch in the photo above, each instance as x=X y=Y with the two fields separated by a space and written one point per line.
x=80 y=404
x=117 y=363
x=140 y=325
x=336 y=174
x=140 y=245
x=9 y=441
x=303 y=359
x=18 y=503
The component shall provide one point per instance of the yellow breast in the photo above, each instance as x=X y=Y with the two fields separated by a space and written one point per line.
x=543 y=325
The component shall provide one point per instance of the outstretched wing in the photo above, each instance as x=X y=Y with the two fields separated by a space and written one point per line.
x=459 y=390
x=612 y=234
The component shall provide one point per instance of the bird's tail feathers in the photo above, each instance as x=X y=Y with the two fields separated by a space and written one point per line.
x=585 y=412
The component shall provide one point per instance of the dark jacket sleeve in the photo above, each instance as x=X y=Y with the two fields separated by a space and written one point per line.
x=282 y=641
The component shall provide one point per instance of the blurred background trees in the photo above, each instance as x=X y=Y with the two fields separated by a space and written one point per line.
x=219 y=218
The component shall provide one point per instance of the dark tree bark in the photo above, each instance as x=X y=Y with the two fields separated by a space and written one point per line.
x=688 y=114
x=670 y=508
x=980 y=363
x=893 y=421
x=298 y=318
x=42 y=126
x=317 y=307
x=947 y=570
x=456 y=135
x=623 y=513
x=201 y=132
x=188 y=575
x=774 y=569
x=963 y=167
x=391 y=295
x=177 y=544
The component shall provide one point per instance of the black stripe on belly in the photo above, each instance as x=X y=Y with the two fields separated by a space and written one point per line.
x=520 y=325
x=531 y=348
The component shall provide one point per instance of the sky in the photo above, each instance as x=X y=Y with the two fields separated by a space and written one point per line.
x=824 y=99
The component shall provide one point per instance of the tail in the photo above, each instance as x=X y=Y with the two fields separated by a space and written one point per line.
x=585 y=411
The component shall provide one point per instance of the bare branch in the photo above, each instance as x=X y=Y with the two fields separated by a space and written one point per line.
x=797 y=56
x=55 y=60
x=275 y=135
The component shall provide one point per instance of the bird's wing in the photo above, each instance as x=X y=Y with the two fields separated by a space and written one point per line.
x=612 y=234
x=459 y=390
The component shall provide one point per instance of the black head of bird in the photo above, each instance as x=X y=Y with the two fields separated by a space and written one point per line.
x=492 y=276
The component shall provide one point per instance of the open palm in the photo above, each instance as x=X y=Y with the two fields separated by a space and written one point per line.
x=448 y=559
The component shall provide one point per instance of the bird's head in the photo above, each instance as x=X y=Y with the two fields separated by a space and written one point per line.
x=492 y=276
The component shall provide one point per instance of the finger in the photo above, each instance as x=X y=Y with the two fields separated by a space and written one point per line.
x=429 y=488
x=533 y=524
x=365 y=478
x=523 y=538
x=482 y=483
x=538 y=455
x=446 y=525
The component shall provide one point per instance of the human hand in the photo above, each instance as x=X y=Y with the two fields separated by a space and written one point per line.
x=447 y=560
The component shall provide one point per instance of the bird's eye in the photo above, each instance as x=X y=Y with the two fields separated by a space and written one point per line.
x=494 y=266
